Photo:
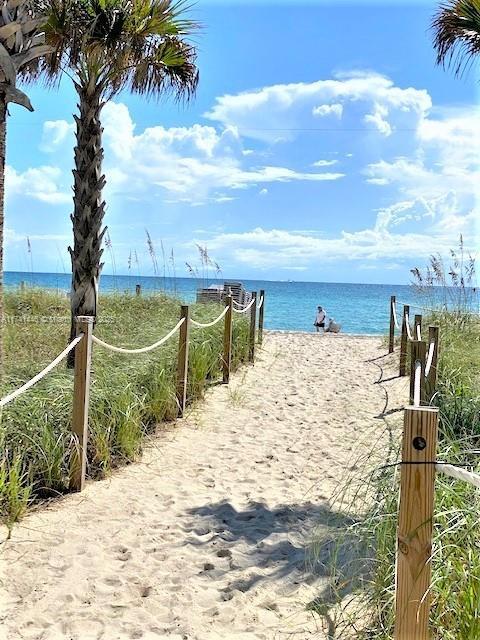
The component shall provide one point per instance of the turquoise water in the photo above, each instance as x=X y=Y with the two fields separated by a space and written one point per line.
x=359 y=308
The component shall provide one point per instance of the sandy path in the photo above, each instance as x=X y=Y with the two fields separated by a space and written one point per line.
x=205 y=538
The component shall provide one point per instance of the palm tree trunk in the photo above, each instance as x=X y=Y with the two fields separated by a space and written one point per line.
x=89 y=207
x=3 y=139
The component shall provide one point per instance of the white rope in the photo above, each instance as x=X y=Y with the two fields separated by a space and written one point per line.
x=407 y=326
x=209 y=324
x=428 y=366
x=42 y=374
x=143 y=349
x=416 y=383
x=246 y=308
x=395 y=319
x=260 y=303
x=459 y=474
x=441 y=306
x=237 y=304
x=419 y=332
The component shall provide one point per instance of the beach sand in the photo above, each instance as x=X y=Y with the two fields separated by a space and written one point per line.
x=207 y=536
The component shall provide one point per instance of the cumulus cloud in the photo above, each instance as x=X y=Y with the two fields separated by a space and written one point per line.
x=41 y=183
x=363 y=96
x=328 y=110
x=55 y=133
x=188 y=162
x=388 y=239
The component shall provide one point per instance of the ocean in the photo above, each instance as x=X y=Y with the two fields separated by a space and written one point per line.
x=289 y=306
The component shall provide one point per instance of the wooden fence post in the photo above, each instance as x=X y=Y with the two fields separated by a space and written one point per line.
x=414 y=535
x=182 y=366
x=81 y=397
x=253 y=326
x=227 y=340
x=261 y=315
x=431 y=380
x=138 y=289
x=403 y=342
x=417 y=323
x=391 y=341
x=418 y=350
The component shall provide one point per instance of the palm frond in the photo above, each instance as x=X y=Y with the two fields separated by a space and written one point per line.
x=456 y=28
x=141 y=46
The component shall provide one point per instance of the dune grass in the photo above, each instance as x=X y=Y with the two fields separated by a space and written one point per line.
x=130 y=395
x=361 y=598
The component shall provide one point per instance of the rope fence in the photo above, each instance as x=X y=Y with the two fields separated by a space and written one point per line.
x=407 y=327
x=28 y=385
x=419 y=332
x=431 y=352
x=245 y=309
x=200 y=325
x=151 y=347
x=417 y=477
x=394 y=314
x=83 y=345
x=459 y=474
x=417 y=383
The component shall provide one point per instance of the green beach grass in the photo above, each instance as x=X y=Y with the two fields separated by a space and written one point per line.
x=130 y=394
x=361 y=600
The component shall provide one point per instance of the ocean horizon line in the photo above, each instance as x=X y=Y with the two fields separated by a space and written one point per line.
x=214 y=279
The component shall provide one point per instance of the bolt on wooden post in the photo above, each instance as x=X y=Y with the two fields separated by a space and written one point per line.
x=253 y=323
x=391 y=340
x=81 y=397
x=415 y=519
x=417 y=326
x=418 y=350
x=261 y=315
x=182 y=365
x=227 y=340
x=403 y=342
x=431 y=379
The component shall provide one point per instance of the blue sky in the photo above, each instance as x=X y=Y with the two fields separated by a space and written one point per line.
x=324 y=144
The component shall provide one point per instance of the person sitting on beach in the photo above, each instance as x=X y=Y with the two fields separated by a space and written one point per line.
x=332 y=326
x=320 y=319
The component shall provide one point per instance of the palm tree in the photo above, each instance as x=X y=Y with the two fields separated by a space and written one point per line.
x=108 y=46
x=456 y=27
x=21 y=45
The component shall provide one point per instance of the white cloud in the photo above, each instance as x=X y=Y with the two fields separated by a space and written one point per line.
x=328 y=110
x=189 y=163
x=364 y=96
x=388 y=239
x=55 y=133
x=263 y=192
x=41 y=183
x=324 y=163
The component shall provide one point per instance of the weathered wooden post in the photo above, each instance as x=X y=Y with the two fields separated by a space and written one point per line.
x=138 y=289
x=414 y=535
x=182 y=366
x=418 y=350
x=261 y=315
x=22 y=285
x=391 y=340
x=253 y=323
x=417 y=327
x=431 y=380
x=81 y=397
x=403 y=342
x=227 y=340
